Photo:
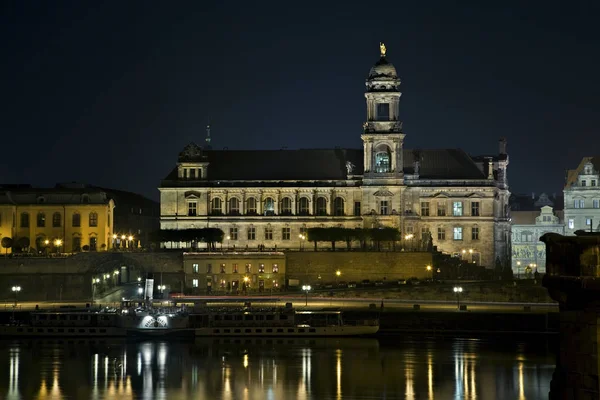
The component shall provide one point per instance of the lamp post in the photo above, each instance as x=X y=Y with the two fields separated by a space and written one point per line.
x=57 y=244
x=123 y=244
x=429 y=269
x=246 y=279
x=337 y=275
x=306 y=289
x=228 y=241
x=114 y=241
x=302 y=239
x=16 y=290
x=409 y=237
x=518 y=269
x=130 y=240
x=458 y=290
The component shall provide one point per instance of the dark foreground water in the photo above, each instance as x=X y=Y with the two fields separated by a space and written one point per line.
x=393 y=368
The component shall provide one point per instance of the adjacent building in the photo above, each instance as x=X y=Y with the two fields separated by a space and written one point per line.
x=56 y=219
x=531 y=218
x=582 y=196
x=269 y=198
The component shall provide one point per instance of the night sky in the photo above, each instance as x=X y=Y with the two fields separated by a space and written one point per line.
x=108 y=93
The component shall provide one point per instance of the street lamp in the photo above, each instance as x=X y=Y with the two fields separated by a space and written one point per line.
x=409 y=237
x=302 y=239
x=57 y=243
x=162 y=288
x=518 y=269
x=130 y=238
x=140 y=292
x=337 y=275
x=228 y=241
x=306 y=289
x=16 y=290
x=429 y=269
x=458 y=290
x=246 y=279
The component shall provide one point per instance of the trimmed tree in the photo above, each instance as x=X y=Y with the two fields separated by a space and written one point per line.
x=7 y=243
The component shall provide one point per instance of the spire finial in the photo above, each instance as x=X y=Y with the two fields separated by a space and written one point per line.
x=208 y=133
x=382 y=49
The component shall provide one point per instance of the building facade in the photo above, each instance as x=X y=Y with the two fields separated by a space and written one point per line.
x=234 y=272
x=582 y=197
x=55 y=220
x=270 y=198
x=528 y=252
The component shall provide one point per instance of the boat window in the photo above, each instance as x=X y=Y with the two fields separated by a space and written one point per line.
x=73 y=317
x=279 y=330
x=269 y=330
x=248 y=331
x=270 y=317
x=290 y=331
x=312 y=330
x=258 y=330
x=71 y=330
x=248 y=317
x=227 y=317
x=301 y=330
x=216 y=330
x=227 y=330
x=237 y=330
x=283 y=317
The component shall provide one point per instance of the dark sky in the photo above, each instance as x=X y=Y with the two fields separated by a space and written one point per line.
x=108 y=92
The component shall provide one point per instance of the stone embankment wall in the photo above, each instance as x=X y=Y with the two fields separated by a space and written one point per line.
x=307 y=266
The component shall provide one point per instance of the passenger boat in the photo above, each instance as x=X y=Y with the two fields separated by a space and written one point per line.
x=277 y=322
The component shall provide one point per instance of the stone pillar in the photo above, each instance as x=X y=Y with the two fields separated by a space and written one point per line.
x=572 y=270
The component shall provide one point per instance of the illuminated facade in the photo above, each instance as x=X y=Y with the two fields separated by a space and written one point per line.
x=582 y=197
x=55 y=220
x=267 y=199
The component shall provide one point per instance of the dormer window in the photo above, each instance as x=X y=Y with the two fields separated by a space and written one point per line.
x=583 y=182
x=85 y=198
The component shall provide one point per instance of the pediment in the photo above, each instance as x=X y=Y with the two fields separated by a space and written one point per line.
x=474 y=196
x=441 y=195
x=383 y=193
x=192 y=195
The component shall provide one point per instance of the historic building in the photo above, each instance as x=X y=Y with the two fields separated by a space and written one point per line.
x=582 y=197
x=56 y=219
x=270 y=197
x=528 y=225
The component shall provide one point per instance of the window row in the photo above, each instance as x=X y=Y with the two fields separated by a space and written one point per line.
x=593 y=182
x=457 y=209
x=286 y=233
x=588 y=222
x=261 y=269
x=457 y=233
x=217 y=207
x=57 y=220
x=580 y=203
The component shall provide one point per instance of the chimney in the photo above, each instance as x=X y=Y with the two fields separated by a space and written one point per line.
x=490 y=169
x=502 y=145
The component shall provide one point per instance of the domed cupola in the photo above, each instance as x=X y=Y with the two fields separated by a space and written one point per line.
x=383 y=76
x=383 y=70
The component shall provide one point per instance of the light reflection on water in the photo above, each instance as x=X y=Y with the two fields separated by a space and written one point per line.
x=400 y=368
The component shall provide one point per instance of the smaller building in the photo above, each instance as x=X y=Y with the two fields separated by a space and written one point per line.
x=528 y=252
x=234 y=272
x=582 y=197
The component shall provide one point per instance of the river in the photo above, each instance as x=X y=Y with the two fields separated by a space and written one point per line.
x=273 y=369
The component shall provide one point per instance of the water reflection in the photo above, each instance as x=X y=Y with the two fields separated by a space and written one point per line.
x=398 y=368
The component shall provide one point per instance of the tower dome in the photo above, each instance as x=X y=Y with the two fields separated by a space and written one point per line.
x=383 y=69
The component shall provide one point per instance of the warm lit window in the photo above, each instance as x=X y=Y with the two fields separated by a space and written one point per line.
x=24 y=220
x=235 y=268
x=248 y=268
x=457 y=208
x=286 y=233
x=251 y=233
x=268 y=233
x=192 y=209
x=222 y=269
x=261 y=268
x=41 y=220
x=458 y=233
x=424 y=209
x=383 y=207
x=195 y=283
x=275 y=268
x=233 y=233
x=93 y=220
x=475 y=209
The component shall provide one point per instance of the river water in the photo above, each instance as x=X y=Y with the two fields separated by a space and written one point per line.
x=274 y=369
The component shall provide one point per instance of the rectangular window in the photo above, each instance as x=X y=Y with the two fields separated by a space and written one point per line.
x=222 y=269
x=410 y=230
x=457 y=209
x=475 y=233
x=286 y=233
x=583 y=183
x=192 y=209
x=195 y=268
x=248 y=268
x=596 y=203
x=93 y=219
x=275 y=268
x=268 y=233
x=441 y=209
x=357 y=208
x=593 y=182
x=579 y=203
x=233 y=233
x=441 y=234
x=251 y=233
x=458 y=233
x=383 y=111
x=527 y=237
x=209 y=268
x=261 y=268
x=475 y=208
x=41 y=220
x=194 y=282
x=424 y=209
x=235 y=268
x=192 y=173
x=588 y=221
x=76 y=220
x=383 y=207
x=425 y=232
x=24 y=220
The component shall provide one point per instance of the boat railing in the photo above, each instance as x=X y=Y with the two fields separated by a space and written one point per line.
x=362 y=322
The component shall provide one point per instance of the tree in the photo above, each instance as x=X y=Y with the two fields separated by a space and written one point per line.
x=7 y=243
x=86 y=248
x=316 y=235
x=23 y=242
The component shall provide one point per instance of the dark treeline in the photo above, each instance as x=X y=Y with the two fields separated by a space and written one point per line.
x=211 y=236
x=348 y=235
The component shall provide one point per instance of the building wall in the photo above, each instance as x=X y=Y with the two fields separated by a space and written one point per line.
x=583 y=187
x=229 y=271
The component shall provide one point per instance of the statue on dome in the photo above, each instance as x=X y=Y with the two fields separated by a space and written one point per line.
x=382 y=49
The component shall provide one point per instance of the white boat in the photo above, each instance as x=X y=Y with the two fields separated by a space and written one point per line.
x=278 y=322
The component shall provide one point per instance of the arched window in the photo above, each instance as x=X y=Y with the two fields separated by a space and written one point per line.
x=251 y=206
x=303 y=208
x=269 y=206
x=24 y=220
x=56 y=220
x=321 y=206
x=216 y=206
x=41 y=220
x=76 y=220
x=383 y=158
x=286 y=206
x=338 y=206
x=234 y=206
x=93 y=219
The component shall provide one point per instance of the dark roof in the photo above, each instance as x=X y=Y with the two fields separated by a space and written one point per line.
x=129 y=198
x=531 y=202
x=325 y=165
x=573 y=174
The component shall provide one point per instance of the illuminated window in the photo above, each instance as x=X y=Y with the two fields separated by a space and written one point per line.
x=192 y=209
x=195 y=283
x=457 y=208
x=222 y=269
x=235 y=268
x=275 y=268
x=261 y=268
x=195 y=268
x=93 y=219
x=41 y=220
x=248 y=268
x=458 y=233
x=382 y=162
x=269 y=206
